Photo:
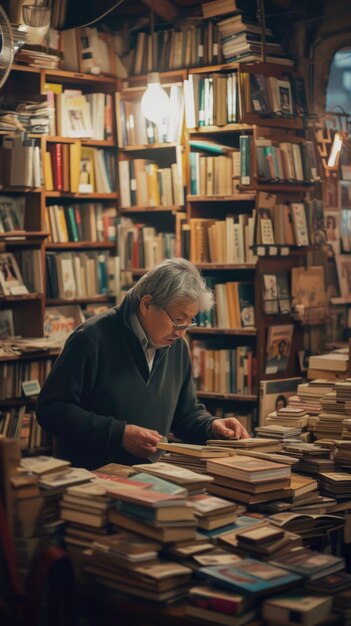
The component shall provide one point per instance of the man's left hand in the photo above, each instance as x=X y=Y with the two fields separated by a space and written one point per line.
x=228 y=428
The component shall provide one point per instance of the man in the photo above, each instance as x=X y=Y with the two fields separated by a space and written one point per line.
x=280 y=362
x=124 y=380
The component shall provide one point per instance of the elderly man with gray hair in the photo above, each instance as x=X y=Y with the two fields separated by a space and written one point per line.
x=124 y=380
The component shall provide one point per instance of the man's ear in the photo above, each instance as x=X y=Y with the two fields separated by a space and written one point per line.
x=144 y=305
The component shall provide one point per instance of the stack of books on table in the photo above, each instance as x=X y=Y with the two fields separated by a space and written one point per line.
x=336 y=484
x=215 y=605
x=299 y=606
x=313 y=458
x=266 y=542
x=303 y=492
x=192 y=481
x=310 y=564
x=341 y=453
x=329 y=425
x=311 y=393
x=276 y=431
x=346 y=428
x=161 y=516
x=212 y=512
x=191 y=456
x=333 y=366
x=249 y=480
x=258 y=444
x=129 y=564
x=290 y=416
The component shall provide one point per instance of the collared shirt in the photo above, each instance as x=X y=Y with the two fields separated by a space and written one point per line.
x=149 y=350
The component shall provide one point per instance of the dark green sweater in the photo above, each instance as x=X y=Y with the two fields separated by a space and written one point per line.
x=101 y=382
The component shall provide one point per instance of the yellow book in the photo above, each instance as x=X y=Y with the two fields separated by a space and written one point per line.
x=61 y=224
x=74 y=165
x=152 y=185
x=54 y=87
x=48 y=179
x=86 y=171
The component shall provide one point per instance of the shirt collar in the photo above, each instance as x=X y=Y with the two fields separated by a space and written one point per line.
x=138 y=330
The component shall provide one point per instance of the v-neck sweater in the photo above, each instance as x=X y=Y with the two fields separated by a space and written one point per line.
x=101 y=382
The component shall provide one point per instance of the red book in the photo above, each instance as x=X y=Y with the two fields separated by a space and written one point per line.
x=55 y=150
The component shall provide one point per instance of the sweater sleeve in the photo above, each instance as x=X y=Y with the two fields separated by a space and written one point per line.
x=84 y=437
x=191 y=422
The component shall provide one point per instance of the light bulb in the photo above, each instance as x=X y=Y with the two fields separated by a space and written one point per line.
x=155 y=104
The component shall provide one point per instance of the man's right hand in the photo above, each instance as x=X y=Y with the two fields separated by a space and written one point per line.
x=140 y=441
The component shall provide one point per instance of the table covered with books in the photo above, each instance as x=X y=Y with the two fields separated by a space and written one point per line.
x=223 y=533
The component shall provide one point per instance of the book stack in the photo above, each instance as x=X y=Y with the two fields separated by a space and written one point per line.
x=343 y=393
x=310 y=564
x=249 y=480
x=217 y=606
x=306 y=609
x=276 y=431
x=332 y=366
x=212 y=512
x=266 y=542
x=194 y=482
x=288 y=416
x=191 y=456
x=336 y=484
x=341 y=604
x=250 y=577
x=259 y=444
x=241 y=39
x=346 y=428
x=313 y=458
x=161 y=516
x=303 y=494
x=129 y=564
x=311 y=393
x=329 y=425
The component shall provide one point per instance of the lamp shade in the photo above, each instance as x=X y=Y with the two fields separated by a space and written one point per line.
x=155 y=104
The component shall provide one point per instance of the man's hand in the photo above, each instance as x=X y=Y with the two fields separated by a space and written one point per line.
x=228 y=428
x=140 y=441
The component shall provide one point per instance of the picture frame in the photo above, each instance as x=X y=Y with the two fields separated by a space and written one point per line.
x=285 y=97
x=86 y=171
x=279 y=342
x=343 y=266
x=11 y=280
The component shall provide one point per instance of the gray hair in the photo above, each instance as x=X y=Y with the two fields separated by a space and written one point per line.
x=171 y=281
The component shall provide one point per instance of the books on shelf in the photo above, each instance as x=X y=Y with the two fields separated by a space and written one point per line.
x=223 y=371
x=146 y=184
x=91 y=221
x=80 y=274
x=59 y=322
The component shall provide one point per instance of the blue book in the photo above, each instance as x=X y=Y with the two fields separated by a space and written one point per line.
x=250 y=576
x=161 y=485
x=241 y=522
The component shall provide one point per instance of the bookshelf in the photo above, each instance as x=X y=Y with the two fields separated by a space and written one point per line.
x=231 y=138
x=59 y=220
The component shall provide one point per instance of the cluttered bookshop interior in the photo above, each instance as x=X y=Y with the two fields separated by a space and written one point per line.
x=175 y=313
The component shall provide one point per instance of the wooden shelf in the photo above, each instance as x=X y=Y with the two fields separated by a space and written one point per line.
x=18 y=236
x=30 y=355
x=90 y=300
x=150 y=209
x=239 y=197
x=72 y=245
x=241 y=397
x=272 y=121
x=219 y=266
x=149 y=146
x=275 y=187
x=215 y=130
x=248 y=332
x=340 y=300
x=86 y=196
x=136 y=271
x=23 y=298
x=13 y=189
x=62 y=75
x=86 y=141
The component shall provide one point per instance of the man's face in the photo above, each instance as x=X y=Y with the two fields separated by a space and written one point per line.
x=158 y=324
x=281 y=347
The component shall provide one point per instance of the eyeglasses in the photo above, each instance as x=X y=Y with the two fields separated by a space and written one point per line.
x=181 y=326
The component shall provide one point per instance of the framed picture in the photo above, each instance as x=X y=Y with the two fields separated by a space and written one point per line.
x=10 y=277
x=278 y=350
x=86 y=171
x=77 y=119
x=343 y=266
x=331 y=192
x=11 y=213
x=285 y=97
x=332 y=228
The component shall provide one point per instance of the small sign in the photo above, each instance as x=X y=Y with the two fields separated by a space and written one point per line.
x=31 y=388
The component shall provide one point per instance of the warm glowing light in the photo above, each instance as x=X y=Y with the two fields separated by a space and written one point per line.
x=155 y=104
